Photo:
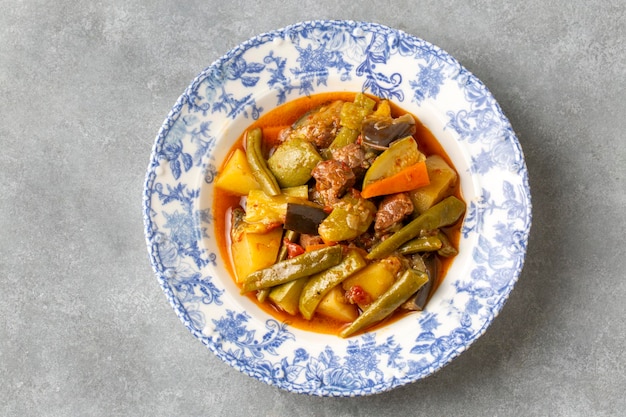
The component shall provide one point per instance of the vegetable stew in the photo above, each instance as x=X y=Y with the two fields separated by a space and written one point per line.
x=339 y=212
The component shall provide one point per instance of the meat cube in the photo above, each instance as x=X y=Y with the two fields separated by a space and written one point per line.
x=319 y=127
x=352 y=155
x=333 y=178
x=392 y=210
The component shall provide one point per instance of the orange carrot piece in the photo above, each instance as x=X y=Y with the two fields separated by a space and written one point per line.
x=317 y=246
x=408 y=179
x=270 y=133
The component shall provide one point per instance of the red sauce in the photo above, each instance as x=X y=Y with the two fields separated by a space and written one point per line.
x=271 y=124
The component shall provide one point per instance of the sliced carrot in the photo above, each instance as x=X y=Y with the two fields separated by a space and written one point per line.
x=408 y=179
x=270 y=133
x=317 y=246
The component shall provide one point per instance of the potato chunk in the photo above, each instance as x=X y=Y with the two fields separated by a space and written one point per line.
x=374 y=279
x=442 y=181
x=254 y=251
x=236 y=177
x=334 y=305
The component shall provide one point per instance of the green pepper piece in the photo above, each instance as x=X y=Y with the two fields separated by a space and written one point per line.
x=344 y=137
x=303 y=265
x=421 y=244
x=351 y=119
x=408 y=284
x=320 y=284
x=364 y=101
x=352 y=115
x=351 y=217
x=444 y=213
x=260 y=171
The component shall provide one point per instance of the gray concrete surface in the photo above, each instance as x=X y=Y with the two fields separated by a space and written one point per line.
x=85 y=329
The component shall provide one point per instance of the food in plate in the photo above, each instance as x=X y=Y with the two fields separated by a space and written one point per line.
x=338 y=212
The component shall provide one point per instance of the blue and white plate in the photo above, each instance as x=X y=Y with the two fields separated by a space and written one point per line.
x=325 y=56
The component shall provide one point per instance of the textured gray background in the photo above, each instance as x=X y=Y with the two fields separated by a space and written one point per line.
x=84 y=88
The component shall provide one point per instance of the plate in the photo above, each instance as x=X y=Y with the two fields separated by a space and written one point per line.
x=304 y=59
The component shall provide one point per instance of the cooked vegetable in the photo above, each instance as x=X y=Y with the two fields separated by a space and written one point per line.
x=271 y=134
x=288 y=237
x=334 y=305
x=237 y=177
x=301 y=191
x=442 y=180
x=373 y=280
x=258 y=165
x=252 y=251
x=445 y=213
x=320 y=284
x=350 y=217
x=407 y=285
x=351 y=120
x=400 y=155
x=345 y=137
x=447 y=249
x=352 y=115
x=379 y=132
x=270 y=210
x=410 y=178
x=382 y=112
x=292 y=161
x=417 y=302
x=308 y=263
x=304 y=218
x=421 y=244
x=361 y=223
x=287 y=296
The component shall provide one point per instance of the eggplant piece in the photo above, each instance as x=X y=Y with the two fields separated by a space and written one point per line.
x=417 y=302
x=378 y=134
x=304 y=218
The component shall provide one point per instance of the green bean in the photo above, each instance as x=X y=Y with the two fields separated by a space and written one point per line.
x=444 y=213
x=258 y=165
x=287 y=296
x=407 y=285
x=320 y=284
x=447 y=249
x=303 y=265
x=421 y=244
x=290 y=235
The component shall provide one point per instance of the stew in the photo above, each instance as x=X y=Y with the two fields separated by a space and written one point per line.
x=339 y=212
